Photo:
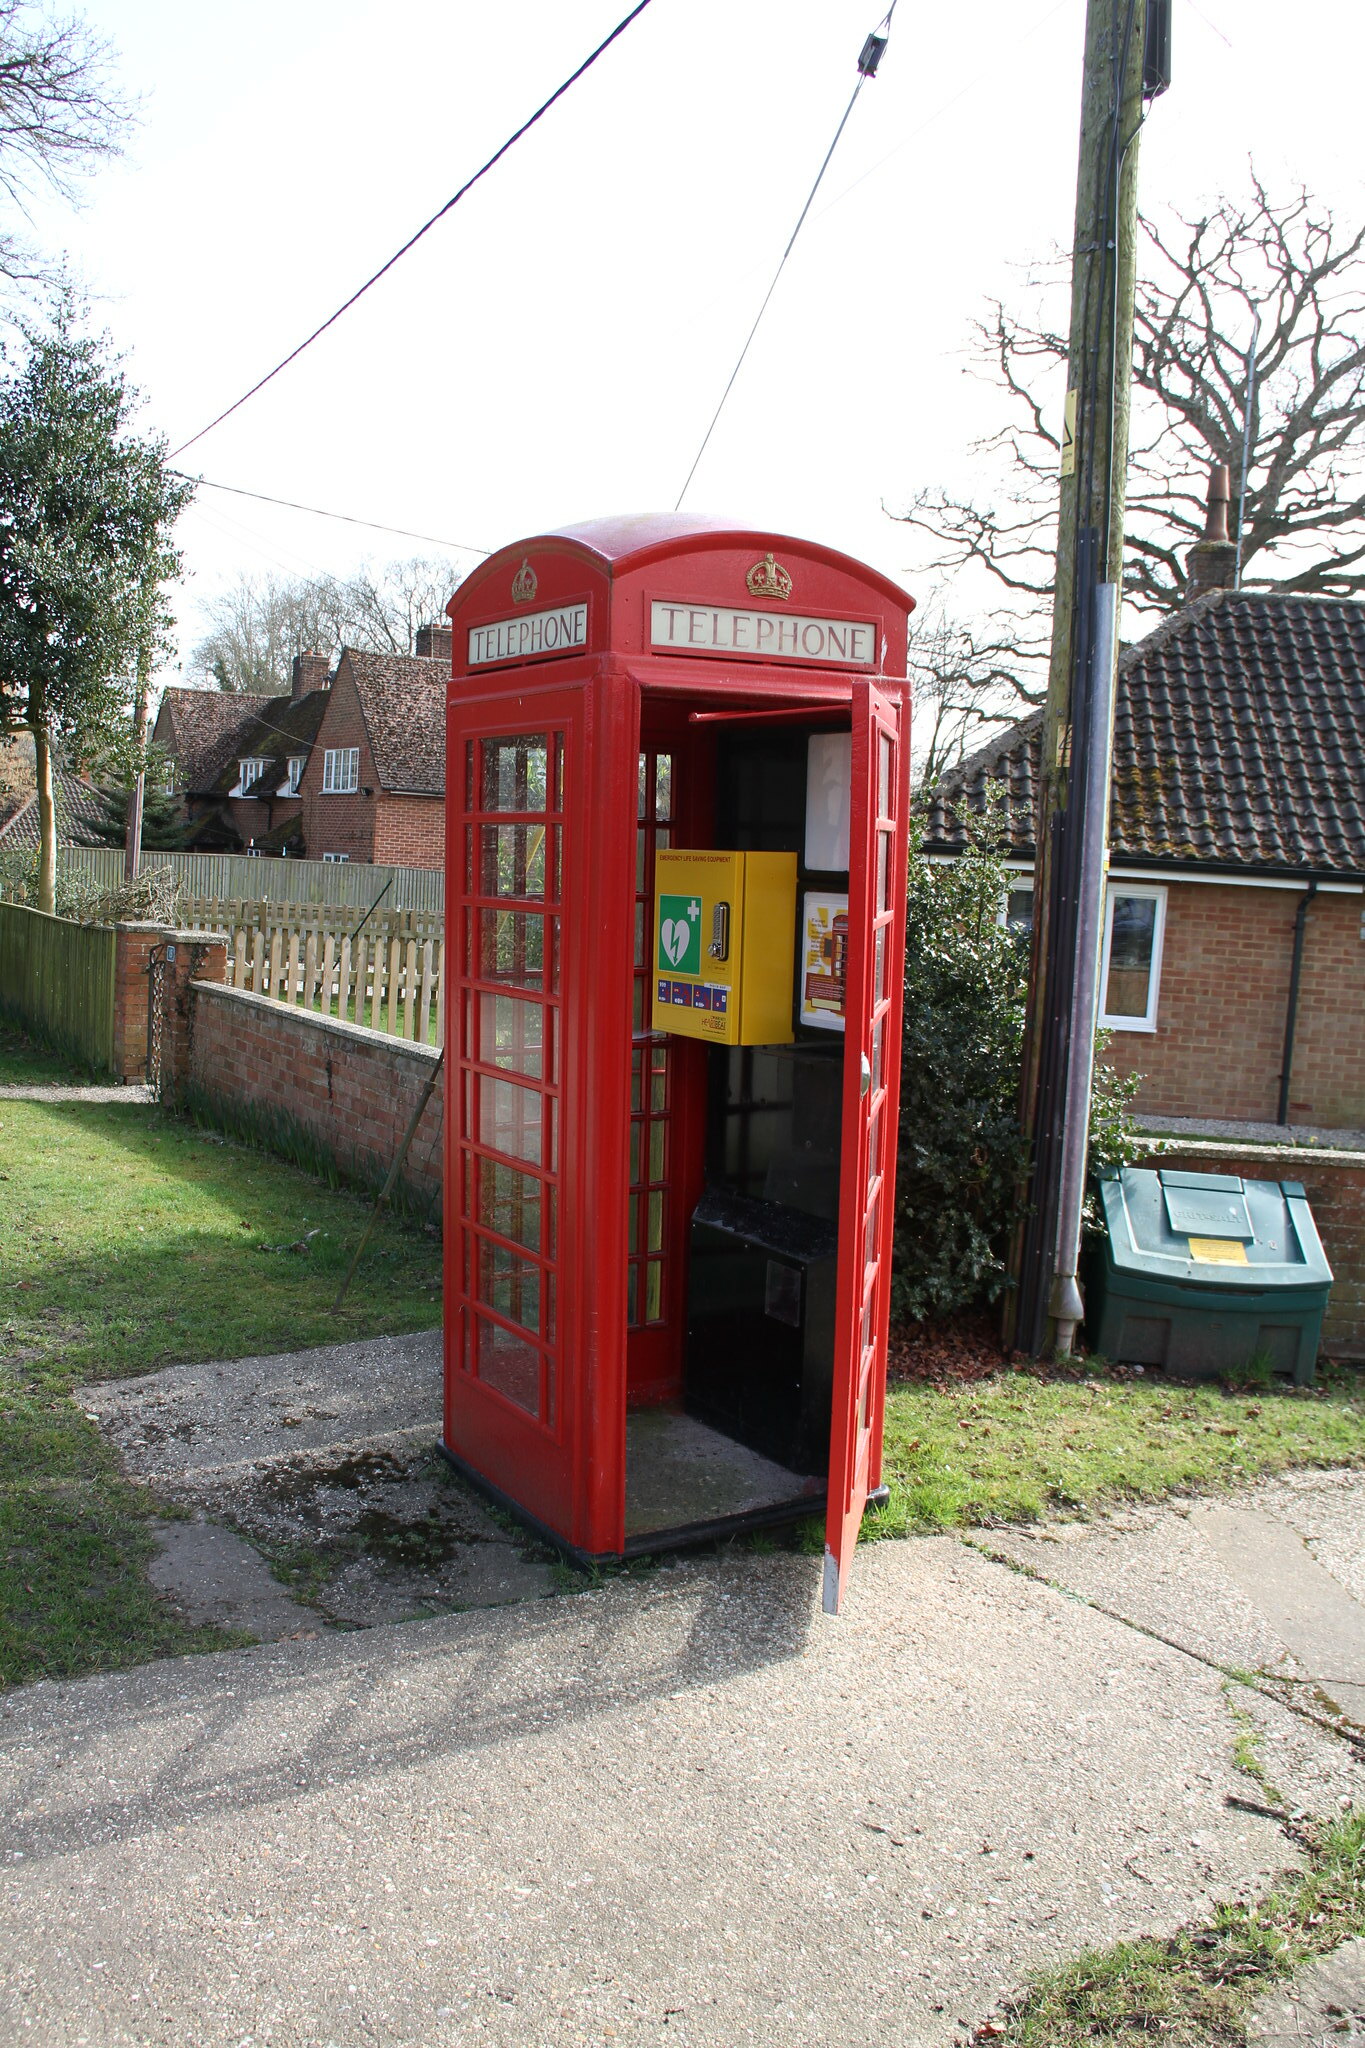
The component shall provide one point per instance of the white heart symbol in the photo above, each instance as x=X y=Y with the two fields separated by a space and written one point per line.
x=675 y=937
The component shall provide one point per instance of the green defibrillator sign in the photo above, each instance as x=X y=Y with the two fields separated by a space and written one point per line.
x=679 y=927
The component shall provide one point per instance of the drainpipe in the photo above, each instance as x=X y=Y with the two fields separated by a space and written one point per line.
x=1291 y=1012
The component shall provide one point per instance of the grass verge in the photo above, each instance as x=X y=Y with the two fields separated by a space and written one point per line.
x=1195 y=1988
x=133 y=1240
x=1021 y=1446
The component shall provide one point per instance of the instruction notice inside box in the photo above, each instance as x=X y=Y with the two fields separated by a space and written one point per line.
x=824 y=957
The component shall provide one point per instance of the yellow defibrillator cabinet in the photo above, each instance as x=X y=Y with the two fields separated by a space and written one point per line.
x=724 y=938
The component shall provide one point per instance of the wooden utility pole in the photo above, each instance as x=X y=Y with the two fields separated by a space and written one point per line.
x=1069 y=878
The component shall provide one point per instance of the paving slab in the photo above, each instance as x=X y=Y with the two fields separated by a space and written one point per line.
x=326 y=1456
x=681 y=1808
x=216 y=1578
x=1323 y=2008
x=1321 y=1623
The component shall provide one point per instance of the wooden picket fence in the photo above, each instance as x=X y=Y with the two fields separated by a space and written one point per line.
x=385 y=972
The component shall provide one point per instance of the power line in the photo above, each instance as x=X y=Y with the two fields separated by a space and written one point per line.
x=348 y=518
x=867 y=68
x=426 y=227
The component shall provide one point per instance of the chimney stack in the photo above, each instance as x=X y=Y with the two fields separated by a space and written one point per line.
x=311 y=672
x=1211 y=563
x=435 y=643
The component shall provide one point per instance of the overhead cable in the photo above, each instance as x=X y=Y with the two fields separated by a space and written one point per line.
x=348 y=518
x=426 y=227
x=869 y=58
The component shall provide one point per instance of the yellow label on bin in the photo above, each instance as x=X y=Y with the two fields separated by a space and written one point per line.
x=1218 y=1251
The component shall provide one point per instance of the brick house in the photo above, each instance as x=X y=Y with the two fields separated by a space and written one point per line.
x=374 y=785
x=1233 y=972
x=237 y=759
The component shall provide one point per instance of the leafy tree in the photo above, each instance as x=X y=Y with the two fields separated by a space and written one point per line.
x=259 y=624
x=1203 y=282
x=60 y=117
x=961 y=1154
x=86 y=511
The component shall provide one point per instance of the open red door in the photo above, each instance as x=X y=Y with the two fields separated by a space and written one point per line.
x=873 y=998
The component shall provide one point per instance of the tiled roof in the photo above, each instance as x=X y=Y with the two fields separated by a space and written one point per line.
x=287 y=725
x=204 y=730
x=1239 y=742
x=79 y=807
x=403 y=701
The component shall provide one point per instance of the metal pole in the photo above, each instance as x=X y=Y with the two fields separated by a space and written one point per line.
x=1065 y=1304
x=1246 y=445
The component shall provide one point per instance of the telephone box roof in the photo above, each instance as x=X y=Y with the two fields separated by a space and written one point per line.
x=629 y=540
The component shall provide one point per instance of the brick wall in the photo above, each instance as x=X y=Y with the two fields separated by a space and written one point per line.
x=132 y=948
x=260 y=1065
x=1335 y=1186
x=1217 y=1048
x=340 y=823
x=410 y=831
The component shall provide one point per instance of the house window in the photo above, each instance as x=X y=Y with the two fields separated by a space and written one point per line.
x=336 y=856
x=1130 y=973
x=295 y=775
x=1018 y=910
x=250 y=769
x=341 y=769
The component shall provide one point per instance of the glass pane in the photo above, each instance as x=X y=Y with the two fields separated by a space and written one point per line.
x=559 y=771
x=633 y=1233
x=878 y=1041
x=883 y=776
x=639 y=935
x=469 y=775
x=663 y=838
x=879 y=965
x=469 y=858
x=656 y=1222
x=510 y=1119
x=514 y=773
x=509 y=1284
x=1133 y=938
x=510 y=1203
x=656 y=1151
x=637 y=1007
x=640 y=851
x=654 y=1292
x=512 y=947
x=883 y=871
x=637 y=1060
x=663 y=786
x=512 y=860
x=511 y=1034
x=658 y=1092
x=510 y=1365
x=642 y=788
x=635 y=1155
x=632 y=1295
x=870 y=1235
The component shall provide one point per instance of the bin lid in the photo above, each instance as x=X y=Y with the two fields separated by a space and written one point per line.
x=1213 y=1228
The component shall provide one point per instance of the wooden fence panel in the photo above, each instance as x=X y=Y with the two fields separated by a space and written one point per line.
x=57 y=980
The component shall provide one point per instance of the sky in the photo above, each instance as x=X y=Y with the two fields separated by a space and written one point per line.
x=555 y=348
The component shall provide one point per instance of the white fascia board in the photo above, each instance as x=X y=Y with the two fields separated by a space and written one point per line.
x=1212 y=881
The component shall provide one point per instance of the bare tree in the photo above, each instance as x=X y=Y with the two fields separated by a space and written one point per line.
x=1204 y=285
x=60 y=116
x=963 y=683
x=258 y=625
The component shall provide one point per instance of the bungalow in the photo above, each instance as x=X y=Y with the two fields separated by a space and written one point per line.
x=1233 y=971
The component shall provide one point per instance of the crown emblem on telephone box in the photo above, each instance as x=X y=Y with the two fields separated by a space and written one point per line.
x=768 y=579
x=524 y=584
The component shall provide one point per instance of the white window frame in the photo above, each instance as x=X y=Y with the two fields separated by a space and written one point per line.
x=1015 y=883
x=336 y=856
x=341 y=771
x=248 y=770
x=1154 y=892
x=293 y=775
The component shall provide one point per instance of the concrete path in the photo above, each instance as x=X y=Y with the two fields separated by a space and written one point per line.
x=1323 y=2008
x=59 y=1091
x=681 y=1809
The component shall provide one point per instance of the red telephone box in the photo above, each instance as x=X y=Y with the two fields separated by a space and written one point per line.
x=676 y=789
